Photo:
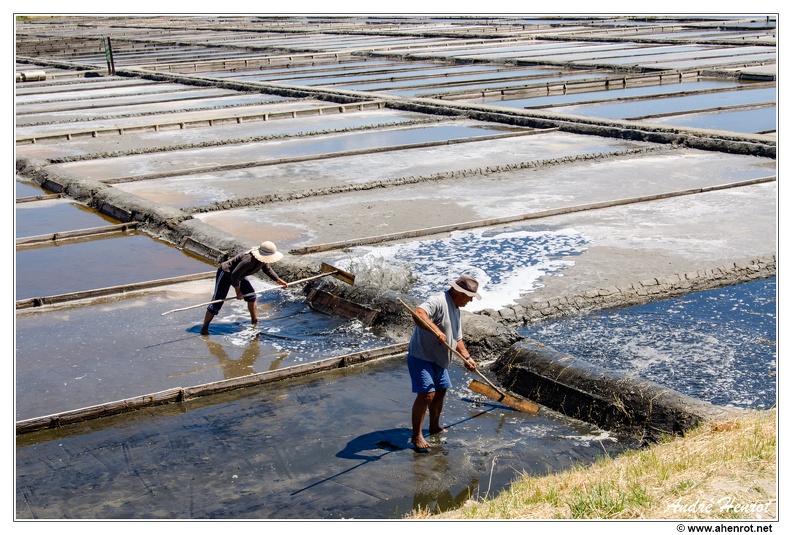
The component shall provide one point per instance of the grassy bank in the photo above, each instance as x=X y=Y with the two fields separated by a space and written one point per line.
x=722 y=470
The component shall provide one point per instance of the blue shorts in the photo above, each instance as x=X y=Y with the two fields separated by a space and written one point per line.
x=427 y=376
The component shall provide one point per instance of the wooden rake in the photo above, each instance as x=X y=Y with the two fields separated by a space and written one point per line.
x=327 y=271
x=488 y=389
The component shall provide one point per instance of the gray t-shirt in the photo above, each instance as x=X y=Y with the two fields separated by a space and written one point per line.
x=424 y=345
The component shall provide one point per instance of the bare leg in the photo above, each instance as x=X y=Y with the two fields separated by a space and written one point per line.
x=419 y=408
x=253 y=312
x=207 y=320
x=435 y=408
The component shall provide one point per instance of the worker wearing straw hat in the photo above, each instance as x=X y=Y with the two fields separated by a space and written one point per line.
x=234 y=273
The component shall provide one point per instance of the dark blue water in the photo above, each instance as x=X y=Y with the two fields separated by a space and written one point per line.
x=718 y=345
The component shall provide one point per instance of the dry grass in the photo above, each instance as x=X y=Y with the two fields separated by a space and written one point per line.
x=723 y=470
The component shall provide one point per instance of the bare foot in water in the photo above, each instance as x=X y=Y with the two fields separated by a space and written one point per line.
x=420 y=442
x=437 y=431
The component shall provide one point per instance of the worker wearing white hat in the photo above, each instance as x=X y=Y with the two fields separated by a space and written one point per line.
x=234 y=273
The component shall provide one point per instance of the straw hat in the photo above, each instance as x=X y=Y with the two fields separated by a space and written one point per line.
x=267 y=252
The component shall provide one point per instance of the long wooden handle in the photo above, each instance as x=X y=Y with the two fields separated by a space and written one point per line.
x=418 y=319
x=250 y=294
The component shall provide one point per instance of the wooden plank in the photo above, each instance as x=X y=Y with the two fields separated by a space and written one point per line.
x=110 y=290
x=98 y=411
x=333 y=305
x=507 y=399
x=39 y=198
x=72 y=234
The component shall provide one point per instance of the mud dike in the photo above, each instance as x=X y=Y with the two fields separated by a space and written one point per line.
x=371 y=161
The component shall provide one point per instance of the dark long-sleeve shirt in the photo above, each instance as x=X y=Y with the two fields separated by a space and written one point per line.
x=245 y=264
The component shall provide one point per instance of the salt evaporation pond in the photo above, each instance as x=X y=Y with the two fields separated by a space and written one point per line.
x=82 y=265
x=717 y=345
x=23 y=189
x=506 y=262
x=606 y=95
x=138 y=351
x=55 y=215
x=753 y=120
x=625 y=110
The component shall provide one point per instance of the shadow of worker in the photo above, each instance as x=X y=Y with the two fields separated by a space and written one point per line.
x=385 y=441
x=380 y=443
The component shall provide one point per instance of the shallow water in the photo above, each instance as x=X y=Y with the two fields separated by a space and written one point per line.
x=298 y=177
x=718 y=345
x=331 y=78
x=607 y=94
x=487 y=85
x=113 y=260
x=24 y=189
x=624 y=110
x=726 y=61
x=166 y=106
x=749 y=121
x=325 y=447
x=58 y=215
x=269 y=151
x=218 y=133
x=121 y=347
x=174 y=117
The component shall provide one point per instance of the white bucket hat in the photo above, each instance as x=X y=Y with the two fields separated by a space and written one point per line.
x=267 y=252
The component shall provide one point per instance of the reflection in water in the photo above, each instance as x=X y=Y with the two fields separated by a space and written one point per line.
x=444 y=500
x=288 y=324
x=433 y=495
x=233 y=368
